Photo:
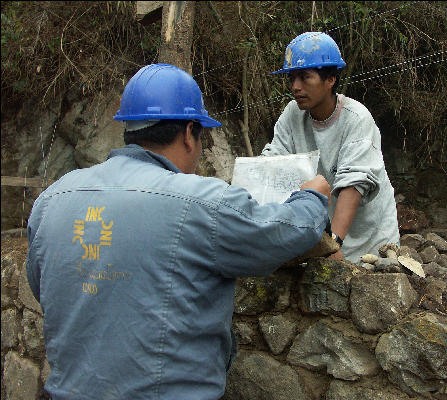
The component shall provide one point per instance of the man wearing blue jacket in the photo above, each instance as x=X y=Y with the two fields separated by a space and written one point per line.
x=134 y=260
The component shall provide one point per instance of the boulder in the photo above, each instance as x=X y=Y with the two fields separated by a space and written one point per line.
x=21 y=377
x=322 y=347
x=324 y=286
x=378 y=301
x=258 y=376
x=278 y=331
x=414 y=353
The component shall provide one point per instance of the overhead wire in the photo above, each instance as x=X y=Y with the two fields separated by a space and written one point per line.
x=327 y=31
x=275 y=99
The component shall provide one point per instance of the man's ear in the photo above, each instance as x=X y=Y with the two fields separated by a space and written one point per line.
x=188 y=137
x=330 y=81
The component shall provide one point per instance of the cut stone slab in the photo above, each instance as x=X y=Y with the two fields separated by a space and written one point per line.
x=324 y=286
x=379 y=301
x=258 y=376
x=412 y=265
x=323 y=348
x=413 y=240
x=414 y=353
x=278 y=331
x=21 y=377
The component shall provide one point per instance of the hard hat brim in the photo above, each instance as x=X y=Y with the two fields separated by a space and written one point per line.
x=316 y=66
x=206 y=122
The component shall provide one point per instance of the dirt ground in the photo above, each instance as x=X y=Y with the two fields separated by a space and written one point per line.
x=17 y=247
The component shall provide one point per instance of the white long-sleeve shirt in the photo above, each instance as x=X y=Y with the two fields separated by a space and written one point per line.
x=350 y=155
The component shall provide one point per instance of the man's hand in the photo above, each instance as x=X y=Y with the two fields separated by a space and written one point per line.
x=337 y=256
x=319 y=184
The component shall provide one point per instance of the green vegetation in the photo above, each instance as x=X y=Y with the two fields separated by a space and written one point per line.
x=66 y=50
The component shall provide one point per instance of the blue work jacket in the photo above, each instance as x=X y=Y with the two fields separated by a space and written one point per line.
x=134 y=265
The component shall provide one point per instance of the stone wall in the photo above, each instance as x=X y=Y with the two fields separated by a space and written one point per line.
x=323 y=329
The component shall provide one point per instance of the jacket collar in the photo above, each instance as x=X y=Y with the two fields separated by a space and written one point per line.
x=137 y=152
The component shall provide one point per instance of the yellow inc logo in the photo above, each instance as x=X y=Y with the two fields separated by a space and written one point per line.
x=91 y=250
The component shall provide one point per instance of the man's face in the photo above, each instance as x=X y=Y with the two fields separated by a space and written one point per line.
x=309 y=90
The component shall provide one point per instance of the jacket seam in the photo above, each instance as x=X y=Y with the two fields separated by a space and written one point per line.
x=167 y=297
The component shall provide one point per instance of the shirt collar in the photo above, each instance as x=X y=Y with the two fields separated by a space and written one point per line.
x=139 y=153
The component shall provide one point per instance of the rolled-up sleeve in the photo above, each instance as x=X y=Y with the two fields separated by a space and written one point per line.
x=254 y=240
x=360 y=162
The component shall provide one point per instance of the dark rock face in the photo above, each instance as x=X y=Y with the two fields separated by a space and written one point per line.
x=414 y=353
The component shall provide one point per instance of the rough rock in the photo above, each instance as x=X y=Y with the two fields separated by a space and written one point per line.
x=369 y=267
x=413 y=240
x=33 y=333
x=10 y=281
x=243 y=332
x=410 y=220
x=387 y=265
x=21 y=377
x=410 y=252
x=10 y=328
x=434 y=297
x=435 y=270
x=324 y=286
x=256 y=295
x=369 y=258
x=440 y=243
x=25 y=294
x=441 y=260
x=340 y=390
x=258 y=376
x=323 y=348
x=429 y=254
x=278 y=331
x=46 y=370
x=414 y=353
x=378 y=301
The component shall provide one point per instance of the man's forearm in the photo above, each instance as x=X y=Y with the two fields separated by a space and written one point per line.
x=347 y=204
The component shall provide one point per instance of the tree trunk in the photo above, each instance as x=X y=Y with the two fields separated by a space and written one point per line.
x=176 y=34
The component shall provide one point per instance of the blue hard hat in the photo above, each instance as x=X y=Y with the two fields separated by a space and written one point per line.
x=163 y=91
x=311 y=50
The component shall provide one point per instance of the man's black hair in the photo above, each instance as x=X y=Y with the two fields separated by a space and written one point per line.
x=162 y=133
x=327 y=72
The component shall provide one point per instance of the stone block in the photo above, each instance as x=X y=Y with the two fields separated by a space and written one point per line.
x=21 y=378
x=10 y=281
x=33 y=334
x=429 y=254
x=378 y=301
x=25 y=294
x=278 y=331
x=323 y=348
x=324 y=286
x=414 y=353
x=10 y=328
x=258 y=376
